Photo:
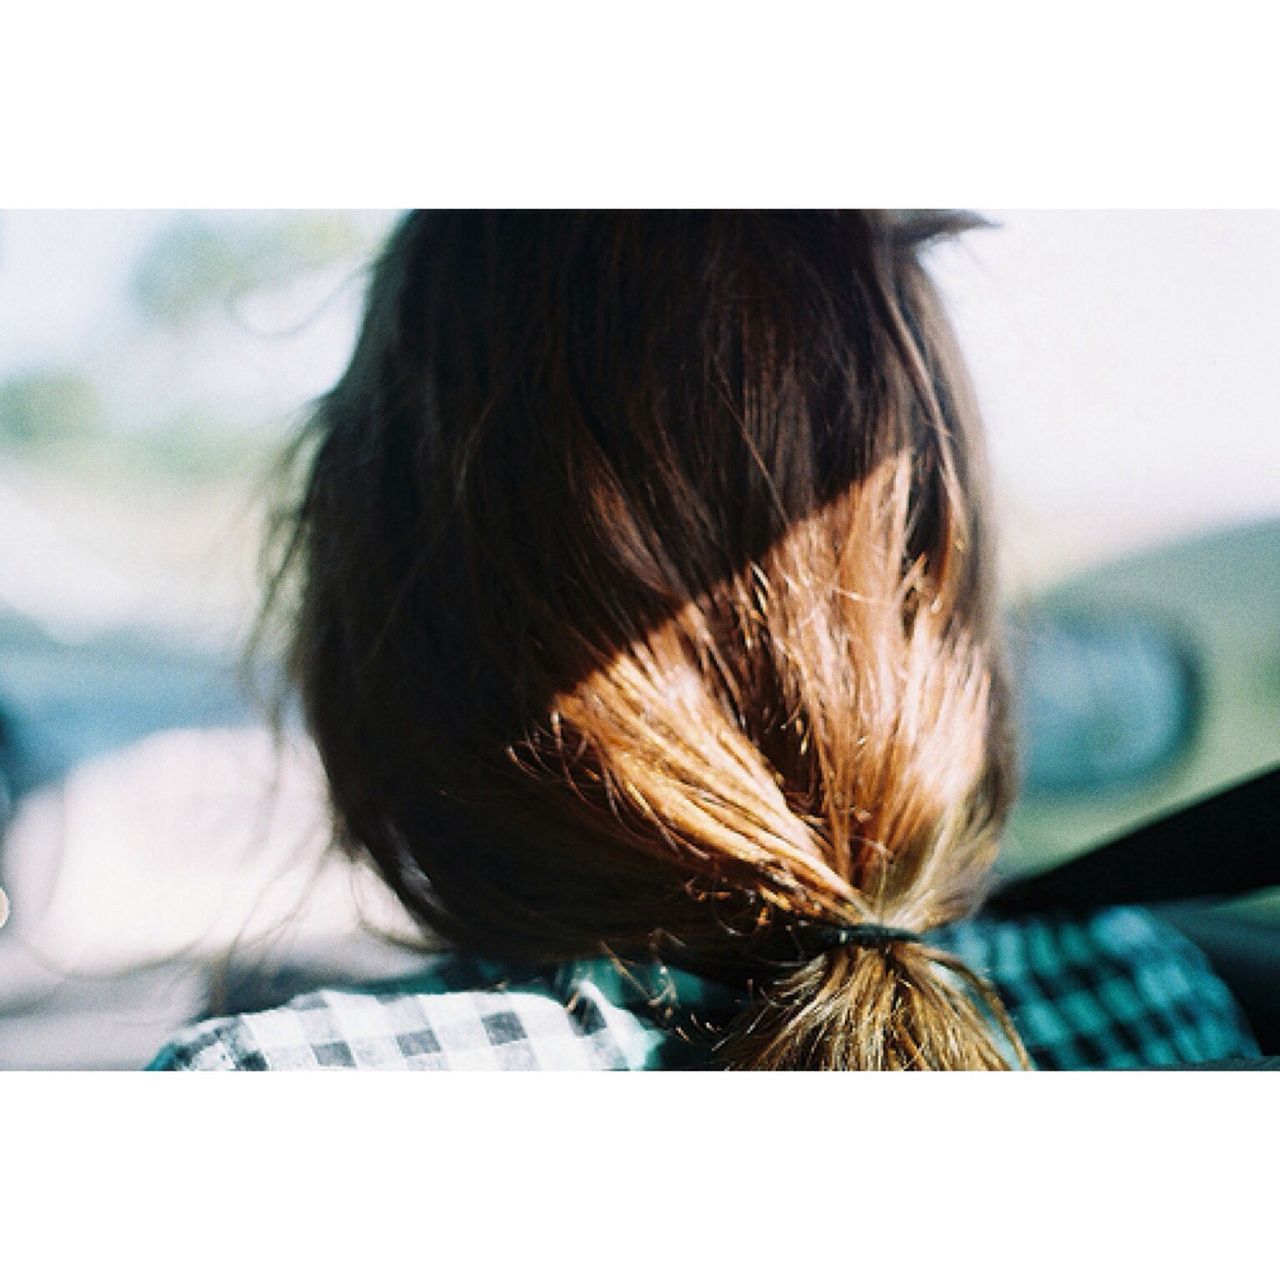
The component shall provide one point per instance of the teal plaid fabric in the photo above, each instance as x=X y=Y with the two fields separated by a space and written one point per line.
x=1110 y=989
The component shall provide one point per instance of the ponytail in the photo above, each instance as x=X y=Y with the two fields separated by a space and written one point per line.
x=901 y=1006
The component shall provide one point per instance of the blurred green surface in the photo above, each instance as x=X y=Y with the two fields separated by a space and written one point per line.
x=1220 y=593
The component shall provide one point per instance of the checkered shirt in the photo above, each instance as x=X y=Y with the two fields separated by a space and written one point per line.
x=1110 y=989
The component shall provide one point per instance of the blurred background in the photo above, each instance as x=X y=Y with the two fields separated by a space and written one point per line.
x=163 y=858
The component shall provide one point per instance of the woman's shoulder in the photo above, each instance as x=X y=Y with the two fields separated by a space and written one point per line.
x=1105 y=989
x=1109 y=988
x=459 y=1013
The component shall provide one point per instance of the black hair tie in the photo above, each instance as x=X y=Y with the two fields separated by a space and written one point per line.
x=799 y=942
x=829 y=937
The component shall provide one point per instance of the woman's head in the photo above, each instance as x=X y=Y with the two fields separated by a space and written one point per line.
x=645 y=606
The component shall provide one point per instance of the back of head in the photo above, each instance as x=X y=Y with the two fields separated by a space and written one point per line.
x=645 y=607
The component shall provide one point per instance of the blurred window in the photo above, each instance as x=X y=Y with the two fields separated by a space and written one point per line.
x=151 y=365
x=1106 y=703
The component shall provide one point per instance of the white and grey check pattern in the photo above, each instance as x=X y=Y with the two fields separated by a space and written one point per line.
x=497 y=1029
x=1110 y=989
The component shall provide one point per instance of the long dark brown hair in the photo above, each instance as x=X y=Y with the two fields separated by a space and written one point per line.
x=644 y=606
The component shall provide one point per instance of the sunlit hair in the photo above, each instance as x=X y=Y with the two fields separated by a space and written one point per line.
x=644 y=608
